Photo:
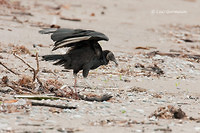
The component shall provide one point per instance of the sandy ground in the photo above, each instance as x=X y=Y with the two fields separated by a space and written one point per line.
x=135 y=28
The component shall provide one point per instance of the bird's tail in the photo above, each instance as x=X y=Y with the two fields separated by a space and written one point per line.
x=53 y=57
x=48 y=30
x=60 y=58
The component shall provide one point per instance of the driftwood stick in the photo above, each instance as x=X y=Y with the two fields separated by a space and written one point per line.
x=8 y=68
x=52 y=105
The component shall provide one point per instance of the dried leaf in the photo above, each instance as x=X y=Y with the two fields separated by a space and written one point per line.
x=5 y=79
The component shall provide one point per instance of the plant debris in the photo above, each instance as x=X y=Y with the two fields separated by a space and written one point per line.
x=183 y=33
x=154 y=69
x=163 y=129
x=23 y=13
x=20 y=50
x=169 y=112
x=35 y=71
x=92 y=98
x=52 y=105
x=136 y=89
x=53 y=83
x=189 y=56
x=145 y=48
x=70 y=19
x=37 y=97
x=13 y=105
x=8 y=68
x=122 y=123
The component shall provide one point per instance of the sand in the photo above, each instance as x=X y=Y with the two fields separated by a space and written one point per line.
x=135 y=28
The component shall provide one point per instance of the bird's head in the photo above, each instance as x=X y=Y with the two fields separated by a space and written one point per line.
x=110 y=57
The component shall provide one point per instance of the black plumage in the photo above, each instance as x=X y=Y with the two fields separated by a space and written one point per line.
x=85 y=53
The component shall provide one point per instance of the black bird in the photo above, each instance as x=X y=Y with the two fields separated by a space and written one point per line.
x=85 y=52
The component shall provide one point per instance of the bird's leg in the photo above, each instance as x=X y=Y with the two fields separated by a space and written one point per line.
x=75 y=85
x=85 y=74
x=75 y=80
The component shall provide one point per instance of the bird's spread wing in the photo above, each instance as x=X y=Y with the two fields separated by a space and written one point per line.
x=69 y=37
x=66 y=42
x=98 y=50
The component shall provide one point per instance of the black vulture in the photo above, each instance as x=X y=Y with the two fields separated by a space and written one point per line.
x=84 y=53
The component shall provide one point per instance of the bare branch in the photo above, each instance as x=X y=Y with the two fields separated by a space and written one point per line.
x=37 y=70
x=8 y=69
x=34 y=71
x=37 y=62
x=24 y=61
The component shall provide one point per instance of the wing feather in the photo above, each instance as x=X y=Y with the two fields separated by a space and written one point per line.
x=65 y=37
x=65 y=42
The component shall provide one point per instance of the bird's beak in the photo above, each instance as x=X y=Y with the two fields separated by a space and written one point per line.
x=116 y=64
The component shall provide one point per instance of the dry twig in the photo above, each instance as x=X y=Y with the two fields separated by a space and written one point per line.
x=35 y=72
x=70 y=19
x=8 y=68
x=15 y=88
